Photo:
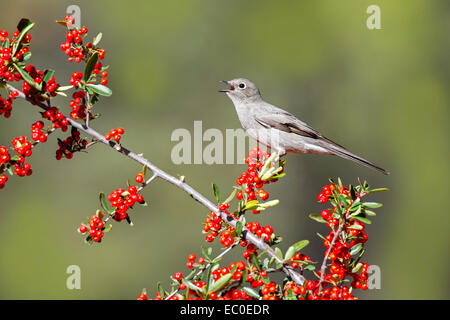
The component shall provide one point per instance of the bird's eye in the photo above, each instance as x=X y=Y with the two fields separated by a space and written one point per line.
x=242 y=85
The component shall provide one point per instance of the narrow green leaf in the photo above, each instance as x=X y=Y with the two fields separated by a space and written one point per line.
x=355 y=227
x=104 y=202
x=206 y=253
x=90 y=66
x=362 y=219
x=372 y=205
x=216 y=192
x=251 y=204
x=239 y=228
x=317 y=217
x=310 y=267
x=357 y=267
x=251 y=292
x=27 y=77
x=355 y=249
x=369 y=213
x=47 y=75
x=377 y=190
x=64 y=88
x=221 y=282
x=231 y=196
x=100 y=89
x=279 y=253
x=289 y=253
x=23 y=26
x=300 y=245
x=97 y=39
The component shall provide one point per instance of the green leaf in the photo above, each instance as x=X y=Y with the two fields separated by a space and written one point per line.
x=321 y=236
x=27 y=77
x=372 y=204
x=206 y=253
x=23 y=26
x=355 y=249
x=104 y=202
x=377 y=190
x=362 y=219
x=279 y=253
x=90 y=66
x=317 y=217
x=107 y=228
x=64 y=88
x=355 y=227
x=100 y=89
x=310 y=267
x=251 y=204
x=216 y=192
x=369 y=213
x=6 y=43
x=239 y=228
x=47 y=75
x=97 y=39
x=251 y=292
x=300 y=245
x=231 y=196
x=221 y=282
x=357 y=267
x=289 y=253
x=160 y=290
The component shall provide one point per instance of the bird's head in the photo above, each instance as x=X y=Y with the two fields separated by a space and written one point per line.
x=242 y=90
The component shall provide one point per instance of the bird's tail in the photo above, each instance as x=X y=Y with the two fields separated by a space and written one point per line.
x=350 y=156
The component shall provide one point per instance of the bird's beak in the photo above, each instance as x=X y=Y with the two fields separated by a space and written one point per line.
x=227 y=83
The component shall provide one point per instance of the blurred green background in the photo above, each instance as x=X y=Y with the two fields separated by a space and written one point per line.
x=384 y=94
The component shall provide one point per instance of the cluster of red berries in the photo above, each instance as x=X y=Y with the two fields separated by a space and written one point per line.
x=4 y=155
x=213 y=224
x=77 y=105
x=250 y=179
x=70 y=145
x=298 y=257
x=50 y=86
x=121 y=200
x=73 y=47
x=76 y=78
x=261 y=232
x=22 y=146
x=270 y=291
x=36 y=132
x=116 y=134
x=255 y=278
x=6 y=104
x=58 y=119
x=305 y=292
x=327 y=192
x=96 y=227
x=191 y=261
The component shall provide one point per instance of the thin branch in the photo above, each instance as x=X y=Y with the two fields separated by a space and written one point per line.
x=324 y=263
x=246 y=234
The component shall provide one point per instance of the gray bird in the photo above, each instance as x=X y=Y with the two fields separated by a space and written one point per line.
x=278 y=129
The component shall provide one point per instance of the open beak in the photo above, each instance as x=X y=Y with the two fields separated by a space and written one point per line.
x=227 y=90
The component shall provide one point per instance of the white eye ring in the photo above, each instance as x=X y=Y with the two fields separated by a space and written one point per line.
x=242 y=85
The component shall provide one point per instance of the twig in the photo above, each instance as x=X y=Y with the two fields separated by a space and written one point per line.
x=246 y=234
x=324 y=263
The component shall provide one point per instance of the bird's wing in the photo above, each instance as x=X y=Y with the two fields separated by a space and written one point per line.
x=284 y=121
